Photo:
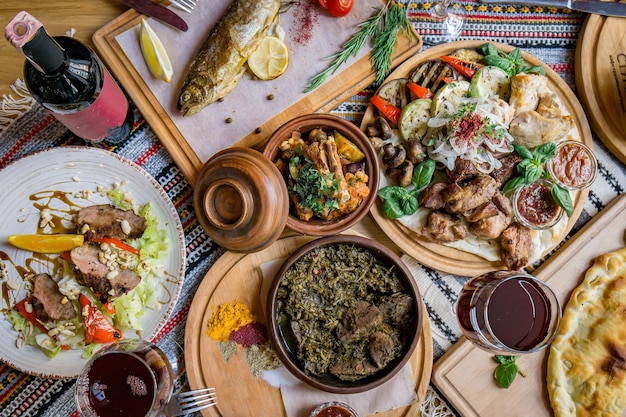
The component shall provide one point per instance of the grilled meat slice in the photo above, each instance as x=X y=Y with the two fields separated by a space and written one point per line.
x=431 y=197
x=443 y=227
x=507 y=170
x=91 y=272
x=463 y=170
x=490 y=227
x=48 y=300
x=107 y=221
x=515 y=244
x=461 y=199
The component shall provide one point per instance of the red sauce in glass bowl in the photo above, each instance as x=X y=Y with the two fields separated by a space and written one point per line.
x=334 y=409
x=535 y=207
x=574 y=166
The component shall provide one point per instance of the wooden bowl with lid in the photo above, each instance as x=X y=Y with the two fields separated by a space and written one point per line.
x=304 y=125
x=241 y=200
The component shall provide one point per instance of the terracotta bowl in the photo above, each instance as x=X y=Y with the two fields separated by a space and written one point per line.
x=241 y=200
x=280 y=323
x=304 y=124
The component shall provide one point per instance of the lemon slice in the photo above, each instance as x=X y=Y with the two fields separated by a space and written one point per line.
x=46 y=243
x=270 y=59
x=154 y=53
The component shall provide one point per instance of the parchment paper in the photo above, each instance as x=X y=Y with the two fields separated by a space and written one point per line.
x=311 y=35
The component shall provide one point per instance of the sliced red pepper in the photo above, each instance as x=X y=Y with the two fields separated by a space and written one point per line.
x=117 y=243
x=463 y=67
x=66 y=256
x=419 y=91
x=388 y=110
x=109 y=307
x=31 y=315
x=97 y=327
x=448 y=80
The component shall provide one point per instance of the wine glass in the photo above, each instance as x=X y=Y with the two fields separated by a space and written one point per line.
x=443 y=19
x=130 y=377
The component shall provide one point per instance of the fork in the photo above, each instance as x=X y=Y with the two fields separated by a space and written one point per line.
x=190 y=401
x=185 y=5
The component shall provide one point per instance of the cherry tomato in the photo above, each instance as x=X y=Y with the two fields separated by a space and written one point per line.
x=339 y=8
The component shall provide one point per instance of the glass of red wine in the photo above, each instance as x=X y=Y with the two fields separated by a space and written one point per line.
x=508 y=312
x=130 y=377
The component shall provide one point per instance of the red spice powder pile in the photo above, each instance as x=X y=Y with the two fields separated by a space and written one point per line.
x=306 y=12
x=251 y=334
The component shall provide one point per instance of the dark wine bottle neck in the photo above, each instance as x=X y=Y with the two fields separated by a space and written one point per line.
x=44 y=52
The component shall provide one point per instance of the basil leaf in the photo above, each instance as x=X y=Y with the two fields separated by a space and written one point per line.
x=500 y=62
x=536 y=69
x=544 y=152
x=523 y=151
x=516 y=56
x=488 y=49
x=506 y=370
x=423 y=173
x=563 y=198
x=398 y=201
x=533 y=172
x=512 y=184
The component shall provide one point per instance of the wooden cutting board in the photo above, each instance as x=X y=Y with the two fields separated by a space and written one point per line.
x=237 y=276
x=191 y=140
x=465 y=373
x=601 y=79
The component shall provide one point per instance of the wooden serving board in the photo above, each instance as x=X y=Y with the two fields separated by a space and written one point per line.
x=194 y=139
x=445 y=258
x=237 y=276
x=465 y=373
x=601 y=79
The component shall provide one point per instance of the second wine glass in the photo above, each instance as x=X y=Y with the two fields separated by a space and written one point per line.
x=444 y=19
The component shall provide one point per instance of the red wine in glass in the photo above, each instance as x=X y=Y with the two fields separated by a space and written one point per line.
x=508 y=312
x=131 y=377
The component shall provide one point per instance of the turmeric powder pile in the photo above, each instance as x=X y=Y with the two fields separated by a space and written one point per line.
x=226 y=319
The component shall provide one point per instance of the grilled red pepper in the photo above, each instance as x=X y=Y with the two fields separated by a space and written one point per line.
x=29 y=314
x=463 y=67
x=97 y=327
x=419 y=91
x=117 y=243
x=390 y=111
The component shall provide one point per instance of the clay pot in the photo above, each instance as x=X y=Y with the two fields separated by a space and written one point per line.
x=306 y=123
x=241 y=200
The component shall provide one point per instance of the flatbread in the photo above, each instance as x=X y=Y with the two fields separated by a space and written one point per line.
x=587 y=361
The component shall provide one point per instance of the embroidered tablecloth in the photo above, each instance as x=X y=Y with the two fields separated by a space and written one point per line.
x=548 y=33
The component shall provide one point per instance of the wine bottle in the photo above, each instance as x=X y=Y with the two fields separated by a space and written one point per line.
x=68 y=79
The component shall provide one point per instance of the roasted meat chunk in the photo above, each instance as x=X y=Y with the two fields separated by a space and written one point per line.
x=108 y=282
x=515 y=243
x=107 y=221
x=442 y=227
x=49 y=301
x=353 y=369
x=461 y=199
x=431 y=197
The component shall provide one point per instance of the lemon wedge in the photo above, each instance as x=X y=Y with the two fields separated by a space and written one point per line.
x=154 y=53
x=270 y=59
x=46 y=243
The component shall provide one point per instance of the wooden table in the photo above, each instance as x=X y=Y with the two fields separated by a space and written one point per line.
x=58 y=16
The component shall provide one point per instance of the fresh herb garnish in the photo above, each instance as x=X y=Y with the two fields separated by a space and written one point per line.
x=506 y=370
x=313 y=188
x=402 y=201
x=512 y=63
x=530 y=169
x=382 y=27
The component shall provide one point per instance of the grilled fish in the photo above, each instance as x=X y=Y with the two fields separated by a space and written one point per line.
x=219 y=64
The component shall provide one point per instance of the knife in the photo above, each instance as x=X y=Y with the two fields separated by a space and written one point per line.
x=157 y=11
x=605 y=8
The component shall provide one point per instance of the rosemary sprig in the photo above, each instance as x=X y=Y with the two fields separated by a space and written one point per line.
x=383 y=27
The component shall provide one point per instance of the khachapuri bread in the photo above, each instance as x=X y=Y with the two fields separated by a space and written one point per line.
x=587 y=361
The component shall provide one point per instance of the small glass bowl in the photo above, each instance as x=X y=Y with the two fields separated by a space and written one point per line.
x=574 y=167
x=539 y=195
x=341 y=410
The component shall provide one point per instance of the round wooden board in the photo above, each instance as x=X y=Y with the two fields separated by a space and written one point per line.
x=238 y=276
x=601 y=79
x=444 y=258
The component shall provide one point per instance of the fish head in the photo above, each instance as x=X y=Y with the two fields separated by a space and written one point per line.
x=193 y=97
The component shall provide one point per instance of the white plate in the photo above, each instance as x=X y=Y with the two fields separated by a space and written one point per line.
x=72 y=170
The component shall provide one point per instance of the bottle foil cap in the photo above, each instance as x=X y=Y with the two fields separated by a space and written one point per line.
x=21 y=29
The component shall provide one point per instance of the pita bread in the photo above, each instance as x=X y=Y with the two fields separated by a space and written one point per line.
x=587 y=361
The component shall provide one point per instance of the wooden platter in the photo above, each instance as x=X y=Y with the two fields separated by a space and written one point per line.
x=601 y=79
x=449 y=259
x=465 y=373
x=193 y=140
x=237 y=276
